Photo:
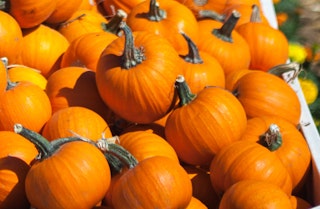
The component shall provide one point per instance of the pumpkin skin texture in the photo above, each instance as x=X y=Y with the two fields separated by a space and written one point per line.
x=31 y=13
x=223 y=42
x=196 y=204
x=24 y=103
x=43 y=48
x=142 y=92
x=269 y=47
x=261 y=93
x=156 y=182
x=75 y=86
x=293 y=152
x=177 y=18
x=18 y=73
x=81 y=121
x=145 y=144
x=211 y=114
x=16 y=154
x=11 y=38
x=233 y=77
x=86 y=178
x=246 y=160
x=85 y=50
x=261 y=194
x=299 y=203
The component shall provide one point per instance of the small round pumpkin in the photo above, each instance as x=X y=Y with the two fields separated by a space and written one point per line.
x=254 y=194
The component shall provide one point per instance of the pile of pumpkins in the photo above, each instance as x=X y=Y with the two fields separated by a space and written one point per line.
x=147 y=104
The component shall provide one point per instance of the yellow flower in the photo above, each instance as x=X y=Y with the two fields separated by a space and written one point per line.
x=297 y=52
x=309 y=89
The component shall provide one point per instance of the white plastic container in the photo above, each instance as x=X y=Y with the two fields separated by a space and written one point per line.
x=307 y=125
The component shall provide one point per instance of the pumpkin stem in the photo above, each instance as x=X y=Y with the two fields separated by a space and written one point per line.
x=224 y=33
x=108 y=146
x=3 y=5
x=281 y=69
x=155 y=13
x=10 y=84
x=202 y=14
x=132 y=56
x=272 y=139
x=44 y=147
x=193 y=55
x=113 y=24
x=184 y=92
x=255 y=14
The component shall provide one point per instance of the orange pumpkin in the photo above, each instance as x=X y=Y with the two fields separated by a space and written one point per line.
x=246 y=160
x=196 y=204
x=210 y=113
x=224 y=43
x=81 y=22
x=85 y=50
x=11 y=38
x=285 y=141
x=63 y=11
x=76 y=86
x=43 y=48
x=145 y=144
x=111 y=6
x=201 y=69
x=155 y=182
x=269 y=47
x=137 y=83
x=16 y=155
x=85 y=171
x=233 y=77
x=76 y=121
x=18 y=73
x=167 y=19
x=262 y=93
x=200 y=5
x=29 y=13
x=26 y=103
x=254 y=194
x=299 y=203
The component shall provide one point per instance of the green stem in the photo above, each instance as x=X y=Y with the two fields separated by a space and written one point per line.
x=224 y=33
x=155 y=13
x=279 y=70
x=184 y=92
x=117 y=150
x=44 y=147
x=272 y=139
x=202 y=14
x=10 y=84
x=193 y=55
x=132 y=56
x=113 y=25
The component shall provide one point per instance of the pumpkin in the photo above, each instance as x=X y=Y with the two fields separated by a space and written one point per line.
x=145 y=144
x=262 y=93
x=85 y=171
x=85 y=50
x=76 y=121
x=29 y=13
x=111 y=6
x=233 y=77
x=167 y=19
x=11 y=38
x=299 y=202
x=200 y=5
x=76 y=86
x=26 y=103
x=269 y=47
x=155 y=182
x=201 y=69
x=201 y=186
x=135 y=76
x=285 y=141
x=254 y=194
x=43 y=48
x=81 y=22
x=16 y=155
x=196 y=204
x=18 y=73
x=154 y=127
x=63 y=11
x=198 y=128
x=246 y=160
x=224 y=43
